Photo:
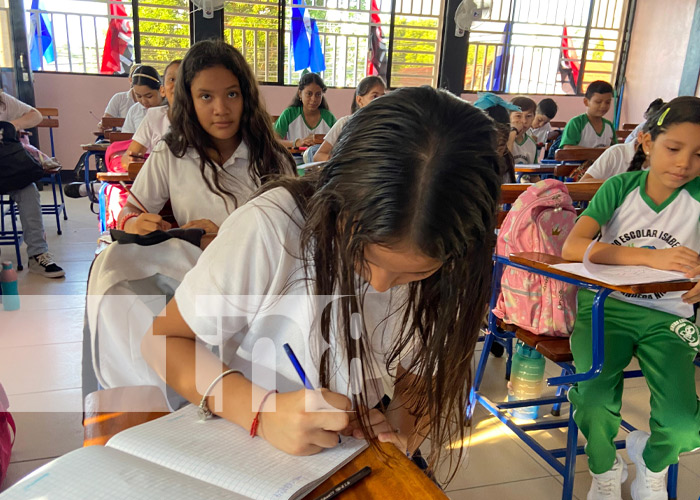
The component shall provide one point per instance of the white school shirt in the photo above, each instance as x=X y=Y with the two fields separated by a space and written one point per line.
x=165 y=177
x=524 y=153
x=628 y=217
x=614 y=160
x=334 y=133
x=580 y=132
x=540 y=134
x=133 y=119
x=633 y=135
x=249 y=295
x=119 y=104
x=13 y=108
x=153 y=127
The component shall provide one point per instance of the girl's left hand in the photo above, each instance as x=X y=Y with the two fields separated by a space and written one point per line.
x=381 y=429
x=307 y=141
x=692 y=296
x=206 y=224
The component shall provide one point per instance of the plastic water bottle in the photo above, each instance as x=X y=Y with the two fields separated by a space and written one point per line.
x=10 y=291
x=526 y=380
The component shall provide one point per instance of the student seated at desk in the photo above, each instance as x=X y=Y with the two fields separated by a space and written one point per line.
x=156 y=123
x=524 y=147
x=307 y=115
x=499 y=110
x=591 y=130
x=540 y=129
x=643 y=218
x=219 y=150
x=397 y=235
x=653 y=107
x=149 y=93
x=121 y=102
x=367 y=90
x=41 y=262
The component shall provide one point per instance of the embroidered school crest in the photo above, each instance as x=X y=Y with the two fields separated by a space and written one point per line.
x=687 y=331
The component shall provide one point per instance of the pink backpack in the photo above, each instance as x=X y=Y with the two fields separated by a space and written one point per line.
x=7 y=434
x=539 y=221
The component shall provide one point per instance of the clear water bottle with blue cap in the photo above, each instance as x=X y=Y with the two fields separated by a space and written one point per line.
x=526 y=380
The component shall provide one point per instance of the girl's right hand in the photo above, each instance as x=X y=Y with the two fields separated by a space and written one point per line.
x=146 y=223
x=305 y=422
x=307 y=141
x=680 y=259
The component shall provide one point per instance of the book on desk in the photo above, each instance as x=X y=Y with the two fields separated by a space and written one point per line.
x=179 y=456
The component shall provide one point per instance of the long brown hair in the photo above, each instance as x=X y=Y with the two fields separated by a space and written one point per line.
x=418 y=165
x=267 y=157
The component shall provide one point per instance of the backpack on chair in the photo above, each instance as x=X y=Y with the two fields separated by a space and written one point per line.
x=7 y=434
x=539 y=221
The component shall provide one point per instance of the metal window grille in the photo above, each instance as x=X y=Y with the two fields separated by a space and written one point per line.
x=78 y=29
x=545 y=46
x=344 y=28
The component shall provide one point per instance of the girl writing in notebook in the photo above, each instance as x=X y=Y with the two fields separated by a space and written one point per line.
x=221 y=146
x=377 y=269
x=149 y=93
x=643 y=218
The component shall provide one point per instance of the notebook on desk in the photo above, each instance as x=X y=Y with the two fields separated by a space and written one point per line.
x=180 y=457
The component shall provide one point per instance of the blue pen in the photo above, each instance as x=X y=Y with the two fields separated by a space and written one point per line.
x=300 y=370
x=297 y=367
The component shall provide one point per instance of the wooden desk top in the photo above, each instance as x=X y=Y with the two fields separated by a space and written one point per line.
x=543 y=262
x=398 y=477
x=114 y=177
x=534 y=169
x=578 y=154
x=94 y=147
x=134 y=168
x=579 y=191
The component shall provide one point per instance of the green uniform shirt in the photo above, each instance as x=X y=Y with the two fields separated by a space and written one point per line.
x=291 y=124
x=580 y=132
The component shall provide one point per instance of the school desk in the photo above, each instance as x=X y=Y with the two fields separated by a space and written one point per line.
x=394 y=476
x=543 y=171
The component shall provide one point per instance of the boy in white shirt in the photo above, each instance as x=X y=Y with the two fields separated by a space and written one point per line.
x=591 y=130
x=545 y=112
x=524 y=148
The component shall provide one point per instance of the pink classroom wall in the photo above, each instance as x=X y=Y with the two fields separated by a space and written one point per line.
x=657 y=53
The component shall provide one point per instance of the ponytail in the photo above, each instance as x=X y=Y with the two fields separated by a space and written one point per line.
x=637 y=160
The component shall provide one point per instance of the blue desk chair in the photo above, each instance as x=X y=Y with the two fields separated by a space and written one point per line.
x=56 y=208
x=10 y=236
x=557 y=350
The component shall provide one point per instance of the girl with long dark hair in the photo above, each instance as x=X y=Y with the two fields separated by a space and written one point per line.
x=377 y=269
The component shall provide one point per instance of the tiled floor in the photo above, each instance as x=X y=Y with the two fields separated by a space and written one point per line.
x=40 y=355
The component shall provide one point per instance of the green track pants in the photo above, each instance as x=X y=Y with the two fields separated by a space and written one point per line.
x=665 y=346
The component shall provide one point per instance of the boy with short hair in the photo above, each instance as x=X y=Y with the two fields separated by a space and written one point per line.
x=545 y=112
x=591 y=130
x=523 y=146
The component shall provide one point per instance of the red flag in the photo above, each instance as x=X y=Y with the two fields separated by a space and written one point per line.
x=117 y=55
x=567 y=67
x=376 y=62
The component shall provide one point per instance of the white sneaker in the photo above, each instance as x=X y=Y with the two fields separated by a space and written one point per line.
x=647 y=485
x=44 y=265
x=607 y=486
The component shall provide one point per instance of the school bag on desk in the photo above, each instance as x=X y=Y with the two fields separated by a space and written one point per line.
x=7 y=434
x=539 y=221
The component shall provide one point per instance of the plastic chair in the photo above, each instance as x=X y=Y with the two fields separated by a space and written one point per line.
x=554 y=349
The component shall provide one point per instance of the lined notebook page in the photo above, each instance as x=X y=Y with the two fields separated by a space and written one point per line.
x=97 y=472
x=221 y=453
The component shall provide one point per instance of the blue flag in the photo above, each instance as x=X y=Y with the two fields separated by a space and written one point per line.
x=306 y=41
x=41 y=41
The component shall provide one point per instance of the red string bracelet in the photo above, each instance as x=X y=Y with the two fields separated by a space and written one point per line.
x=256 y=420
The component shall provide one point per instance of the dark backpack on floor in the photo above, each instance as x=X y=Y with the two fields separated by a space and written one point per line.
x=18 y=168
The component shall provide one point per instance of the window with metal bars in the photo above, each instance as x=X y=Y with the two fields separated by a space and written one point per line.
x=106 y=36
x=350 y=32
x=545 y=46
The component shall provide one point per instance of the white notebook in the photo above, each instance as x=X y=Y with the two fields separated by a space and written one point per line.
x=180 y=457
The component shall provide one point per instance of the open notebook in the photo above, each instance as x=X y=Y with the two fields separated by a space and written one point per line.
x=179 y=457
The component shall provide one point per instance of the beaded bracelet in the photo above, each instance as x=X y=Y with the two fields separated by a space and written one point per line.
x=204 y=411
x=256 y=420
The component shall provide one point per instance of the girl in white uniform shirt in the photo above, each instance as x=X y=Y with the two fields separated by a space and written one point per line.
x=149 y=93
x=156 y=123
x=220 y=148
x=367 y=90
x=398 y=235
